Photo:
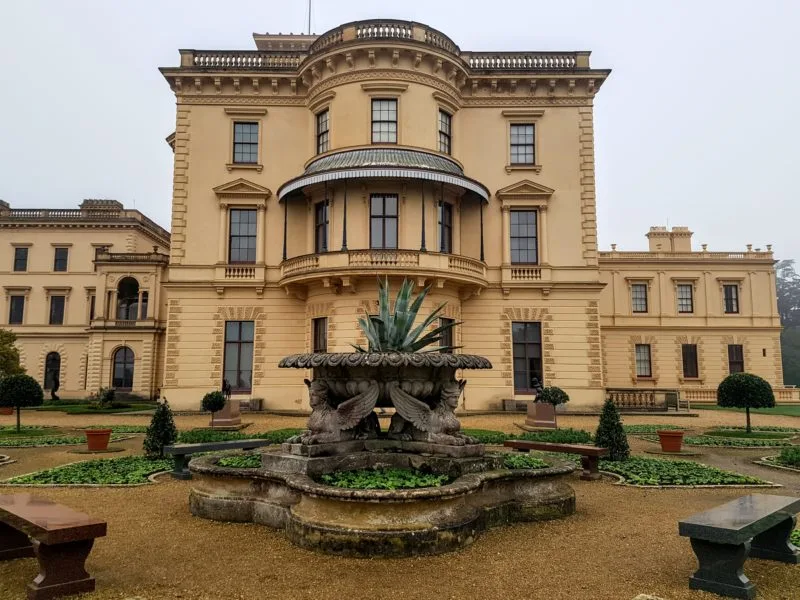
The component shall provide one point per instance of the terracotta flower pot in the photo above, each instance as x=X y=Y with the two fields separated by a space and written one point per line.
x=7 y=410
x=671 y=440
x=97 y=439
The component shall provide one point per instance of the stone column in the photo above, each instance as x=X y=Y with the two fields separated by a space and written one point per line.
x=506 y=235
x=260 y=220
x=223 y=230
x=139 y=305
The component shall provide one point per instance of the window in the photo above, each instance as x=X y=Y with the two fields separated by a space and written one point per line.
x=527 y=338
x=245 y=143
x=643 y=367
x=730 y=293
x=242 y=238
x=238 y=370
x=522 y=137
x=639 y=297
x=20 y=259
x=143 y=307
x=445 y=227
x=16 y=310
x=57 y=309
x=127 y=299
x=685 y=298
x=524 y=248
x=383 y=221
x=52 y=371
x=122 y=374
x=689 y=353
x=92 y=303
x=448 y=335
x=735 y=358
x=321 y=227
x=323 y=132
x=384 y=121
x=319 y=331
x=60 y=258
x=445 y=132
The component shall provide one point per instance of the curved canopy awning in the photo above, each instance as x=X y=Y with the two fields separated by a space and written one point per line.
x=383 y=163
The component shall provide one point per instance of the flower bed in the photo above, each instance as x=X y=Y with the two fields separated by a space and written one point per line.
x=659 y=472
x=120 y=428
x=650 y=428
x=199 y=436
x=758 y=428
x=383 y=479
x=524 y=461
x=724 y=442
x=61 y=440
x=10 y=431
x=556 y=436
x=248 y=460
x=128 y=470
x=486 y=436
x=754 y=435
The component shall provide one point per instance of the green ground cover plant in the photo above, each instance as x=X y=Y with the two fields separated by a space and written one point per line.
x=524 y=461
x=795 y=537
x=556 y=436
x=655 y=471
x=104 y=471
x=755 y=428
x=88 y=409
x=753 y=435
x=383 y=479
x=487 y=436
x=650 y=428
x=201 y=436
x=241 y=461
x=120 y=428
x=25 y=431
x=789 y=457
x=725 y=442
x=55 y=440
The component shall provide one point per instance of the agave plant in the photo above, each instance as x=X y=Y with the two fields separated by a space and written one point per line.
x=394 y=331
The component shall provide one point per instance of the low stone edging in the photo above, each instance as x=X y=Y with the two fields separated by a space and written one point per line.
x=766 y=462
x=6 y=460
x=621 y=481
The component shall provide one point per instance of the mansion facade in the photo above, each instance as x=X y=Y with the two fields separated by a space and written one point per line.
x=310 y=166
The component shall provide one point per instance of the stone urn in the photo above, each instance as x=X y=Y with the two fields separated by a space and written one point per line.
x=97 y=439
x=421 y=386
x=671 y=440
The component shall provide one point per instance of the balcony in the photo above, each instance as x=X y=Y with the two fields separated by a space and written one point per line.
x=344 y=268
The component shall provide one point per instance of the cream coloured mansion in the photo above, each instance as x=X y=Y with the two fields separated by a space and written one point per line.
x=309 y=166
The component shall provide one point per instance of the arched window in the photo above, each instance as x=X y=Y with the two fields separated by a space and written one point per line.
x=123 y=369
x=127 y=299
x=52 y=371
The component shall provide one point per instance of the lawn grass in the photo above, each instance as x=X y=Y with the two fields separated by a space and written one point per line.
x=785 y=410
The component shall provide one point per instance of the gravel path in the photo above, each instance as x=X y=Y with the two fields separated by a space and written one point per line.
x=620 y=543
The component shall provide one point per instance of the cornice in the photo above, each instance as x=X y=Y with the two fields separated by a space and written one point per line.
x=256 y=99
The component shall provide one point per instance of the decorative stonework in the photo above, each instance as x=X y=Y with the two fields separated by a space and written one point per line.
x=173 y=339
x=596 y=365
x=588 y=204
x=46 y=349
x=187 y=100
x=316 y=311
x=180 y=185
x=701 y=369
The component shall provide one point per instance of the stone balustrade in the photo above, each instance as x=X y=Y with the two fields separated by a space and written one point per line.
x=246 y=59
x=527 y=61
x=684 y=256
x=81 y=214
x=783 y=395
x=240 y=272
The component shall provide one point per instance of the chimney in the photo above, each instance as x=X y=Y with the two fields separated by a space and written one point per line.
x=681 y=239
x=659 y=239
x=5 y=207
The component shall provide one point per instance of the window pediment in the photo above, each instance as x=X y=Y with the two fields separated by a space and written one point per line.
x=524 y=193
x=242 y=191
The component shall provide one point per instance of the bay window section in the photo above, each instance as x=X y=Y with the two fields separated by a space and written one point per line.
x=383 y=222
x=445 y=219
x=321 y=226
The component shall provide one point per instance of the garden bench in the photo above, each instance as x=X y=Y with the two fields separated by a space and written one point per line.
x=590 y=455
x=58 y=536
x=183 y=452
x=722 y=538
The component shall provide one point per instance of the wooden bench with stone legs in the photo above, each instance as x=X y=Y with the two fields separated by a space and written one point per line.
x=58 y=536
x=722 y=538
x=183 y=452
x=590 y=455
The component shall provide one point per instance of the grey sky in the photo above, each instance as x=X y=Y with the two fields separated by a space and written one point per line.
x=696 y=125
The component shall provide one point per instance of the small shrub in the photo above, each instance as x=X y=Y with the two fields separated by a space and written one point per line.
x=553 y=395
x=486 y=436
x=213 y=402
x=745 y=390
x=20 y=391
x=162 y=431
x=610 y=434
x=557 y=436
x=383 y=479
x=523 y=461
x=790 y=456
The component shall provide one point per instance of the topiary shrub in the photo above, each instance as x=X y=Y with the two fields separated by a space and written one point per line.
x=610 y=434
x=213 y=402
x=161 y=432
x=553 y=395
x=745 y=390
x=19 y=391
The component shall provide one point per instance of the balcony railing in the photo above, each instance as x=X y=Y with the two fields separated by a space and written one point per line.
x=526 y=273
x=132 y=257
x=643 y=399
x=240 y=272
x=245 y=59
x=709 y=395
x=384 y=29
x=402 y=261
x=683 y=256
x=80 y=214
x=522 y=61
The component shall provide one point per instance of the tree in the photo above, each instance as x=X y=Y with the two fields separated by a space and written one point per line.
x=9 y=355
x=745 y=390
x=611 y=435
x=553 y=395
x=788 y=291
x=213 y=402
x=161 y=432
x=19 y=391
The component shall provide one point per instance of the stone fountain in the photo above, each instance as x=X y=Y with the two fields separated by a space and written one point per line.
x=344 y=433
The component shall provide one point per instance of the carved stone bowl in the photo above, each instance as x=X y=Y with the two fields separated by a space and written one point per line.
x=380 y=523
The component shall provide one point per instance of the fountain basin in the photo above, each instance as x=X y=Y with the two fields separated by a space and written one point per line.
x=388 y=523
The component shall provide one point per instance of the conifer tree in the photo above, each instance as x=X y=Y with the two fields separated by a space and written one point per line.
x=611 y=435
x=161 y=432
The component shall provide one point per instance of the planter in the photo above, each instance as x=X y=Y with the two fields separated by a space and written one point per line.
x=7 y=410
x=671 y=440
x=97 y=439
x=541 y=414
